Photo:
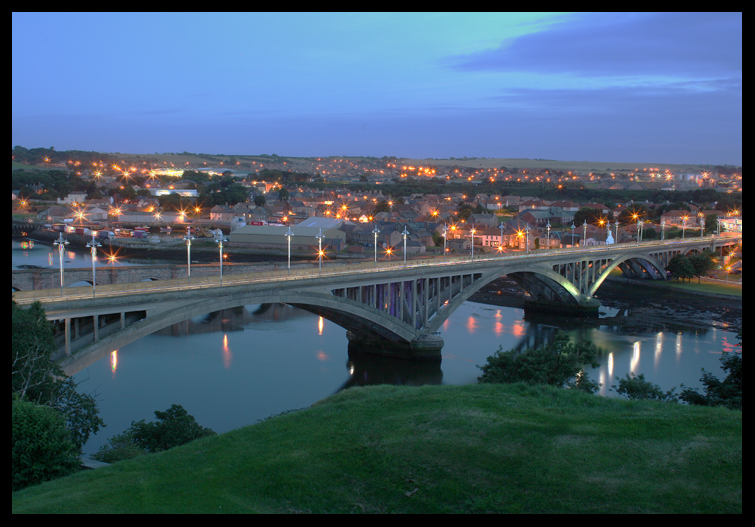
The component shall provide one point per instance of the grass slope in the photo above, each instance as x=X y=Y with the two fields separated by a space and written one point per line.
x=434 y=449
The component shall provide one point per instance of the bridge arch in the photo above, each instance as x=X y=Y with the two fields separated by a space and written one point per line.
x=356 y=316
x=621 y=259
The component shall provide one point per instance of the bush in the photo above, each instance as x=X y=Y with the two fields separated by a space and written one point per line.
x=555 y=364
x=41 y=448
x=637 y=388
x=719 y=393
x=175 y=427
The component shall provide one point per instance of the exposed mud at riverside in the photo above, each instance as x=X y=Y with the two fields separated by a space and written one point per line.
x=638 y=309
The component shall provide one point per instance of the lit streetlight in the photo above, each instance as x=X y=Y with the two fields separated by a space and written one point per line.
x=319 y=248
x=472 y=231
x=219 y=240
x=684 y=225
x=572 y=234
x=404 y=234
x=188 y=239
x=288 y=236
x=94 y=244
x=527 y=239
x=61 y=243
x=445 y=237
x=375 y=232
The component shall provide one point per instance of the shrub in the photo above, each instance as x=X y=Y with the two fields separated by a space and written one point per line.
x=719 y=393
x=637 y=388
x=41 y=448
x=556 y=364
x=175 y=427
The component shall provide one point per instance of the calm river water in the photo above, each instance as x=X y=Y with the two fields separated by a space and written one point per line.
x=231 y=368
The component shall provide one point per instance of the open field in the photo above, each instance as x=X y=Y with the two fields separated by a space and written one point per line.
x=581 y=166
x=434 y=449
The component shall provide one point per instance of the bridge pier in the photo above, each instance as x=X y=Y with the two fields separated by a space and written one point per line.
x=587 y=308
x=425 y=348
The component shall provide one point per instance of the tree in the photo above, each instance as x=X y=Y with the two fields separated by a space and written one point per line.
x=41 y=446
x=556 y=364
x=719 y=393
x=587 y=214
x=680 y=267
x=174 y=427
x=38 y=379
x=283 y=194
x=260 y=200
x=702 y=263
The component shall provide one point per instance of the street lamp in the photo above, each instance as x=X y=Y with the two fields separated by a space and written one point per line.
x=617 y=231
x=289 y=235
x=219 y=240
x=375 y=232
x=188 y=239
x=684 y=225
x=640 y=223
x=61 y=243
x=472 y=231
x=572 y=234
x=94 y=244
x=445 y=236
x=319 y=248
x=663 y=229
x=584 y=231
x=548 y=228
x=527 y=239
x=702 y=226
x=404 y=234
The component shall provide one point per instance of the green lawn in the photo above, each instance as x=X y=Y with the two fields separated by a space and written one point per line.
x=434 y=449
x=720 y=288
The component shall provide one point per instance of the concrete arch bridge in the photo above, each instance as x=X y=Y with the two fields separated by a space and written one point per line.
x=399 y=309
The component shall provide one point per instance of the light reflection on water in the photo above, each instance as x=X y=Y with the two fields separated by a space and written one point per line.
x=231 y=368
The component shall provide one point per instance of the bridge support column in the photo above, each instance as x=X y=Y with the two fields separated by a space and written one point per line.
x=68 y=337
x=587 y=308
x=425 y=348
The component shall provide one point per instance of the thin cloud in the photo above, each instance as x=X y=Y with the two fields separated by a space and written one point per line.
x=622 y=44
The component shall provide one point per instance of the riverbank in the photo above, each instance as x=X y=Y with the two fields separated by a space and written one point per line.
x=640 y=309
x=434 y=449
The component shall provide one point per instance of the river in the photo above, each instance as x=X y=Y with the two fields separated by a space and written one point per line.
x=232 y=368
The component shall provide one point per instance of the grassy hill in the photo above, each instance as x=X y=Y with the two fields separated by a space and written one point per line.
x=434 y=449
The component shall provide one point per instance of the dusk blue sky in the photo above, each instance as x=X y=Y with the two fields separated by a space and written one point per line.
x=625 y=87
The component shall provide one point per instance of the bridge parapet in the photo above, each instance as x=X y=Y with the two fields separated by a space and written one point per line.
x=391 y=301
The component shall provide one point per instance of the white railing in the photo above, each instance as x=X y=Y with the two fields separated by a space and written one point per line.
x=206 y=282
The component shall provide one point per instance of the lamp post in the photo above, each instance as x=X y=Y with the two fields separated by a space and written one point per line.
x=572 y=234
x=94 y=244
x=702 y=226
x=663 y=229
x=219 y=240
x=445 y=236
x=548 y=229
x=640 y=223
x=584 y=231
x=319 y=249
x=404 y=234
x=188 y=239
x=472 y=231
x=684 y=225
x=375 y=232
x=289 y=235
x=61 y=243
x=527 y=239
x=617 y=231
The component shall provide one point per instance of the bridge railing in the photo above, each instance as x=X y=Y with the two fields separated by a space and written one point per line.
x=177 y=284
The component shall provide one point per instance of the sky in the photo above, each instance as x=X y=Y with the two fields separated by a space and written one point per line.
x=623 y=87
